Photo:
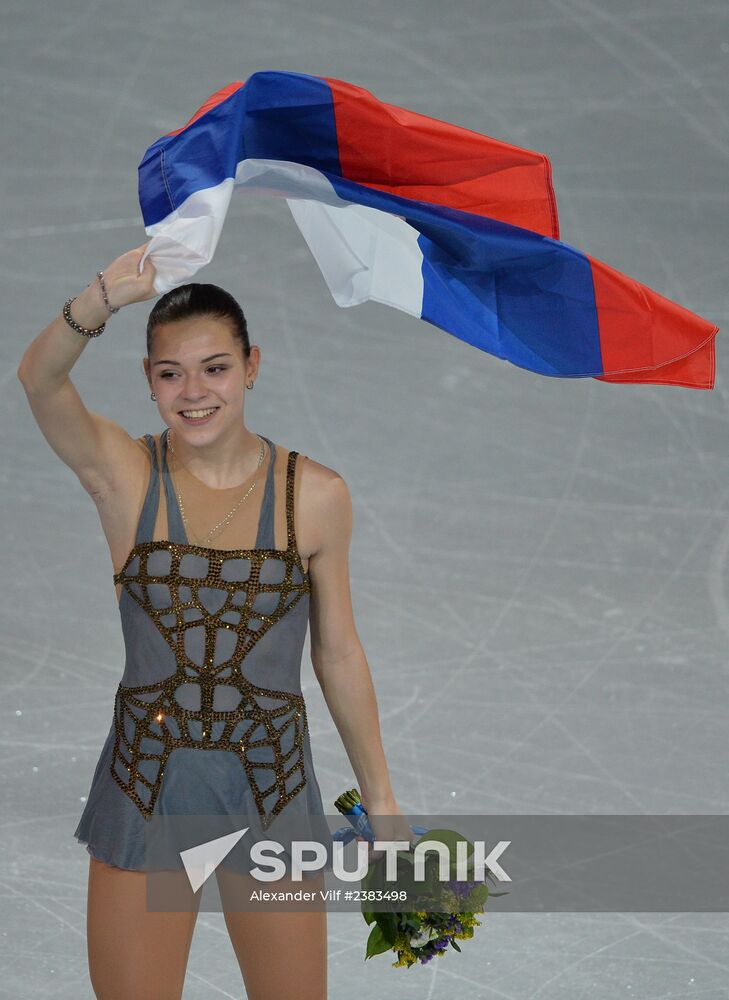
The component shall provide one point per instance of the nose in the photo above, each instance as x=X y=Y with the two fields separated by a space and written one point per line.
x=194 y=390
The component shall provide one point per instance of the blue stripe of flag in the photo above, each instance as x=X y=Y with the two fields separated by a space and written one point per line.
x=519 y=295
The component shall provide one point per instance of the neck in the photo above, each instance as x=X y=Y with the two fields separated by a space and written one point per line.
x=222 y=463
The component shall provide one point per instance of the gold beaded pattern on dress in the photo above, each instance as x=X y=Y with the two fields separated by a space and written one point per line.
x=153 y=710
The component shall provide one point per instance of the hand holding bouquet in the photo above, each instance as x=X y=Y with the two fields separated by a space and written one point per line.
x=419 y=935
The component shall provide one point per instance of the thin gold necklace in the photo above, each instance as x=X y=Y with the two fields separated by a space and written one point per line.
x=221 y=524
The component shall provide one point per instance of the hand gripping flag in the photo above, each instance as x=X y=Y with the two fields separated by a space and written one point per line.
x=454 y=227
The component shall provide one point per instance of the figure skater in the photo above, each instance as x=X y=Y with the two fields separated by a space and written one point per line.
x=225 y=546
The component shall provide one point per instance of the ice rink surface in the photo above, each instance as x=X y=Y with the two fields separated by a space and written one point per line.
x=539 y=565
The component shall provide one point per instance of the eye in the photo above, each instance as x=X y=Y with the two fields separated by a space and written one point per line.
x=210 y=368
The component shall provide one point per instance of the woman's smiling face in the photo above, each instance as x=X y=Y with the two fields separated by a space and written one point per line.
x=197 y=364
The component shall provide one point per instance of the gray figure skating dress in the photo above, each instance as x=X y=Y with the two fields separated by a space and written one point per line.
x=209 y=716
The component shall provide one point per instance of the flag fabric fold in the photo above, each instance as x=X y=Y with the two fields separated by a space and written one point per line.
x=448 y=225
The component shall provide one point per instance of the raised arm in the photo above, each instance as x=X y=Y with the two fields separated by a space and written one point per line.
x=87 y=442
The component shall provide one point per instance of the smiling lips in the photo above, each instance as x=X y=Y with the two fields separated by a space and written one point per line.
x=198 y=416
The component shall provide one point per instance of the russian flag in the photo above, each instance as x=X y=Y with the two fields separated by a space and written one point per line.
x=451 y=226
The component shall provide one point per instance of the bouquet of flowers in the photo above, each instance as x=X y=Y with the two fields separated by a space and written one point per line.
x=420 y=935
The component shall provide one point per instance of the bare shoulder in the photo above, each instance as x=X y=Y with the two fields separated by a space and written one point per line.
x=123 y=462
x=324 y=501
x=320 y=483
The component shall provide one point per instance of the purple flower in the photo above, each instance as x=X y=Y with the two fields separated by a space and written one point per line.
x=460 y=888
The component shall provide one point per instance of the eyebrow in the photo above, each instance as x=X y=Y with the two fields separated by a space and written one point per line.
x=204 y=360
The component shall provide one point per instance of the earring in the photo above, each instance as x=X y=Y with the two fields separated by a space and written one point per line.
x=250 y=386
x=152 y=396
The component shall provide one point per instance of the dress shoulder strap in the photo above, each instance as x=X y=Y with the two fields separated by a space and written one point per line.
x=290 y=483
x=148 y=517
x=175 y=525
x=265 y=536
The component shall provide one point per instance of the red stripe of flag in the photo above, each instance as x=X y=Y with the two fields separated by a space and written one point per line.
x=640 y=329
x=404 y=153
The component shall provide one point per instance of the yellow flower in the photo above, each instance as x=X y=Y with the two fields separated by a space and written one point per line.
x=404 y=961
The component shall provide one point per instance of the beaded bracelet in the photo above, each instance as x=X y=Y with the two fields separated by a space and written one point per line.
x=112 y=309
x=76 y=326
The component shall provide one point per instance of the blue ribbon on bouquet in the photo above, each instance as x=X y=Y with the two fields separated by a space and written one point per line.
x=360 y=826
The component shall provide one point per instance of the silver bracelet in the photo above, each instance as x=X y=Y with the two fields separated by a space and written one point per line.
x=77 y=326
x=112 y=309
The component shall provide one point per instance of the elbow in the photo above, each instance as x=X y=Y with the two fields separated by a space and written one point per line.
x=26 y=380
x=27 y=385
x=340 y=664
x=23 y=378
x=321 y=673
x=23 y=371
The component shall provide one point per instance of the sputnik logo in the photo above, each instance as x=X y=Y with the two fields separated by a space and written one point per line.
x=201 y=861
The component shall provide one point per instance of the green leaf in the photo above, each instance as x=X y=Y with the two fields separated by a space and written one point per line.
x=479 y=894
x=448 y=837
x=455 y=945
x=376 y=943
x=387 y=922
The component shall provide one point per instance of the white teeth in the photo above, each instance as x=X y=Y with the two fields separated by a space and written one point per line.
x=198 y=413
